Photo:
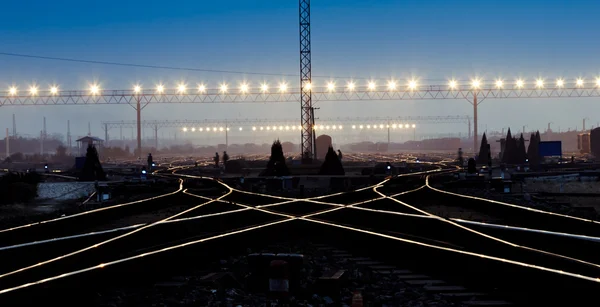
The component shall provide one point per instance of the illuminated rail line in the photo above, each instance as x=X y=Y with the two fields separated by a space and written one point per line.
x=94 y=210
x=307 y=217
x=288 y=218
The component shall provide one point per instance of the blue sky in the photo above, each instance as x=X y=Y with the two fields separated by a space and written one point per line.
x=429 y=40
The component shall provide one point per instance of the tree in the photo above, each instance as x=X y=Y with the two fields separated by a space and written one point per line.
x=332 y=164
x=92 y=169
x=61 y=151
x=276 y=165
x=533 y=152
x=483 y=151
x=508 y=150
x=471 y=166
x=521 y=153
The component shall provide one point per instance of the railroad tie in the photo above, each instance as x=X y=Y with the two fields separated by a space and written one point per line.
x=420 y=282
x=486 y=303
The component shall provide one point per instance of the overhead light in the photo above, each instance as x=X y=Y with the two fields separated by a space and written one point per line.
x=94 y=89
x=283 y=87
x=539 y=83
x=331 y=86
x=391 y=85
x=452 y=84
x=520 y=83
x=412 y=84
x=372 y=86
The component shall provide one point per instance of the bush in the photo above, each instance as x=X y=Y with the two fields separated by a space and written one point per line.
x=235 y=166
x=18 y=188
x=332 y=164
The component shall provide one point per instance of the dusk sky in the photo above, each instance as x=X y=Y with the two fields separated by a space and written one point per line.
x=432 y=41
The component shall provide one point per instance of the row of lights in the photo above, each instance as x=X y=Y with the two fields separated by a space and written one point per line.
x=331 y=86
x=287 y=128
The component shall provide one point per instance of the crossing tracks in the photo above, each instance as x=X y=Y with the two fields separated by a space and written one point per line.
x=366 y=216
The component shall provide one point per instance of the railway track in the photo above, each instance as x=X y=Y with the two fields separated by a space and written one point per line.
x=428 y=242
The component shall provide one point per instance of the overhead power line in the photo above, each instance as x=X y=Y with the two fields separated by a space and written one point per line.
x=40 y=57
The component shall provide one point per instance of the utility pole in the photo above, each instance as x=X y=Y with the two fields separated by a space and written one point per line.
x=156 y=137
x=475 y=121
x=43 y=138
x=106 y=134
x=14 y=127
x=226 y=136
x=307 y=119
x=69 y=136
x=388 y=128
x=469 y=123
x=138 y=109
x=7 y=143
x=89 y=129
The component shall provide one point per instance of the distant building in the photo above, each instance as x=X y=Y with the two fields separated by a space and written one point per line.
x=583 y=143
x=84 y=142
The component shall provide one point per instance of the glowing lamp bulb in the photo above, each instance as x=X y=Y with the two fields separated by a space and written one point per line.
x=412 y=84
x=580 y=82
x=391 y=85
x=351 y=86
x=452 y=84
x=181 y=88
x=283 y=87
x=137 y=89
x=372 y=86
x=223 y=88
x=33 y=90
x=560 y=83
x=244 y=88
x=539 y=83
x=160 y=89
x=94 y=89
x=475 y=83
x=499 y=83
x=13 y=90
x=520 y=83
x=264 y=87
x=201 y=88
x=331 y=86
x=54 y=90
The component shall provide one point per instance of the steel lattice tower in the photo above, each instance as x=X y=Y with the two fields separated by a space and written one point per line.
x=307 y=118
